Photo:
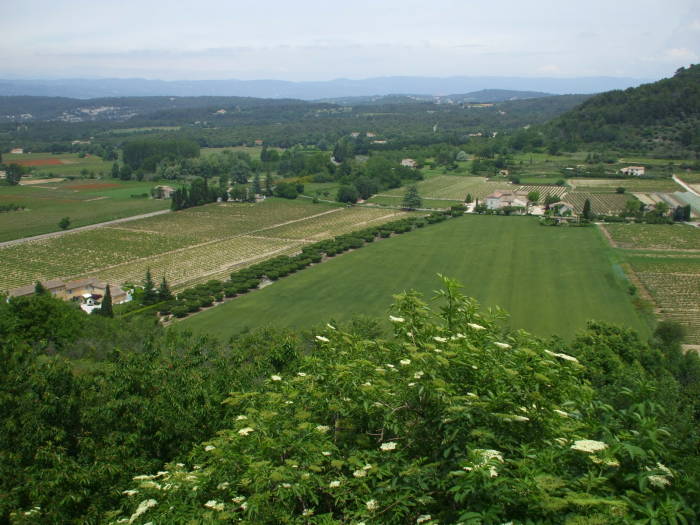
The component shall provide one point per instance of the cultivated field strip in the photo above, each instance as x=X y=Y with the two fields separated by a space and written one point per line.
x=185 y=246
x=336 y=224
x=630 y=185
x=77 y=254
x=180 y=267
x=224 y=220
x=544 y=190
x=677 y=297
x=601 y=203
x=453 y=188
x=655 y=236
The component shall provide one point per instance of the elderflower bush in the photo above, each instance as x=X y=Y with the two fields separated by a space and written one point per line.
x=454 y=419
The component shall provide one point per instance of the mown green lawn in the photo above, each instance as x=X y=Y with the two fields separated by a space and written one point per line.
x=551 y=280
x=84 y=201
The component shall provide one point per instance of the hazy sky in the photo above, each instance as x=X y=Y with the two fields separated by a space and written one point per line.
x=321 y=40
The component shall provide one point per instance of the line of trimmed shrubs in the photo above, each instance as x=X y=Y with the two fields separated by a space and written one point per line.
x=242 y=281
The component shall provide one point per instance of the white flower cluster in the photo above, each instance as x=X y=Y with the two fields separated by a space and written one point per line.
x=440 y=339
x=245 y=431
x=486 y=459
x=565 y=357
x=660 y=480
x=276 y=378
x=372 y=505
x=505 y=346
x=589 y=446
x=405 y=362
x=322 y=339
x=396 y=319
x=389 y=445
x=475 y=326
x=214 y=505
x=142 y=509
x=423 y=518
x=322 y=428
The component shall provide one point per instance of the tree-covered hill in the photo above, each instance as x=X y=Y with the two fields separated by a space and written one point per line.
x=663 y=115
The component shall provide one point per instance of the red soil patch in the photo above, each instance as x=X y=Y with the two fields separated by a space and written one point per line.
x=38 y=162
x=93 y=186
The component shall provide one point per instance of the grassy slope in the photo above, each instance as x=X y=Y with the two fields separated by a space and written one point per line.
x=46 y=205
x=551 y=280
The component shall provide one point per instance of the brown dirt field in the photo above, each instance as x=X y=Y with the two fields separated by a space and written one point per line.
x=93 y=186
x=39 y=162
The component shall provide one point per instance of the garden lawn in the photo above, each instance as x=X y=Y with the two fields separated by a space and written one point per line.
x=552 y=280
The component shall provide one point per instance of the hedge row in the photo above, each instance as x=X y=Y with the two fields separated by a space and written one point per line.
x=242 y=281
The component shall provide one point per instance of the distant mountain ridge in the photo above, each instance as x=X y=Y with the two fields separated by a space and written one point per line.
x=481 y=96
x=309 y=90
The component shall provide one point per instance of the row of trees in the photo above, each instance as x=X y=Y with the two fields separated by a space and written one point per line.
x=197 y=193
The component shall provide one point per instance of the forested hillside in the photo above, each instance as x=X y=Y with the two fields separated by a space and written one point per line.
x=661 y=116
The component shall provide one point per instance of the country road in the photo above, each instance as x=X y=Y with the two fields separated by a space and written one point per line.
x=81 y=228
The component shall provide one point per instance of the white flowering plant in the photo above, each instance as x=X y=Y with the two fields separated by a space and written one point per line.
x=469 y=434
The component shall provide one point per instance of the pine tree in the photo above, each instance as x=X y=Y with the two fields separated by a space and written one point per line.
x=115 y=170
x=164 y=293
x=106 y=308
x=150 y=295
x=412 y=200
x=469 y=198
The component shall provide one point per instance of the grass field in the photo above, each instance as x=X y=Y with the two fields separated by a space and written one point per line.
x=187 y=246
x=552 y=280
x=85 y=201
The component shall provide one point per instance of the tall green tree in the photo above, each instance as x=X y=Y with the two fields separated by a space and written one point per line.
x=587 y=213
x=39 y=288
x=115 y=170
x=268 y=184
x=257 y=189
x=106 y=308
x=64 y=223
x=150 y=295
x=411 y=200
x=164 y=293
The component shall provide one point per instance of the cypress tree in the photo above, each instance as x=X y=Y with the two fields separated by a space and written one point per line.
x=587 y=209
x=164 y=293
x=257 y=189
x=106 y=308
x=150 y=295
x=39 y=289
x=268 y=184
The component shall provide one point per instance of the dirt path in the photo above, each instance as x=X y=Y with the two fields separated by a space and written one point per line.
x=607 y=234
x=81 y=228
x=686 y=186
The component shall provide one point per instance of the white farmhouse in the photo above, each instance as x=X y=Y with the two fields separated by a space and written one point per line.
x=633 y=170
x=500 y=199
x=408 y=163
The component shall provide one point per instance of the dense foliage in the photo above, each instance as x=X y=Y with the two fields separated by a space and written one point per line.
x=147 y=153
x=450 y=419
